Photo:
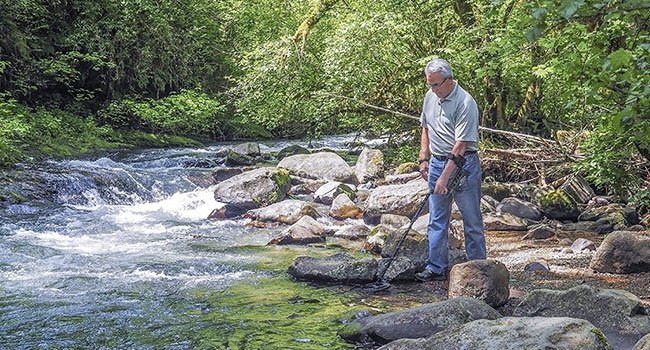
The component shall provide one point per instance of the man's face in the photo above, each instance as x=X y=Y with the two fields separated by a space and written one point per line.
x=439 y=85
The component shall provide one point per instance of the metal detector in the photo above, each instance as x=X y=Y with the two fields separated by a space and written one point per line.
x=458 y=179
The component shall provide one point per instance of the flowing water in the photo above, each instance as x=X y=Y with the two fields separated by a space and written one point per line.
x=108 y=252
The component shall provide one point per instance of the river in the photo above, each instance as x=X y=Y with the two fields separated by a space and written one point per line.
x=110 y=252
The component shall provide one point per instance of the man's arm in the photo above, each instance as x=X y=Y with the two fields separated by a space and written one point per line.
x=423 y=158
x=441 y=184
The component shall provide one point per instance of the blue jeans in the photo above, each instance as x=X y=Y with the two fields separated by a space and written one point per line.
x=468 y=200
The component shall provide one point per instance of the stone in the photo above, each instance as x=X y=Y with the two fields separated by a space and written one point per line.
x=503 y=222
x=519 y=208
x=643 y=343
x=253 y=189
x=398 y=199
x=370 y=165
x=322 y=165
x=423 y=321
x=582 y=244
x=337 y=268
x=286 y=212
x=406 y=168
x=251 y=149
x=291 y=151
x=622 y=252
x=557 y=204
x=541 y=231
x=541 y=266
x=394 y=220
x=401 y=179
x=305 y=231
x=344 y=208
x=224 y=173
x=512 y=333
x=486 y=280
x=619 y=314
x=326 y=193
x=353 y=232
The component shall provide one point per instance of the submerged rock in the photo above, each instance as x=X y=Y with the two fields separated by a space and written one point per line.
x=338 y=268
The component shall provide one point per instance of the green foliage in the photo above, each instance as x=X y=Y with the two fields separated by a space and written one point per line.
x=189 y=112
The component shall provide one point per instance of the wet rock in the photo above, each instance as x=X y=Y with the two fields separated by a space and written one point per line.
x=541 y=231
x=338 y=268
x=304 y=186
x=488 y=204
x=253 y=189
x=322 y=165
x=235 y=159
x=485 y=280
x=619 y=314
x=344 y=208
x=622 y=252
x=519 y=208
x=292 y=151
x=582 y=244
x=251 y=149
x=513 y=333
x=503 y=222
x=370 y=165
x=419 y=322
x=397 y=199
x=286 y=212
x=305 y=231
x=376 y=238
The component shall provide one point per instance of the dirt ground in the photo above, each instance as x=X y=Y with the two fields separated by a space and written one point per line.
x=567 y=270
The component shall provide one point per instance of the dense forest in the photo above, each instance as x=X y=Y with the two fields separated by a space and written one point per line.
x=80 y=75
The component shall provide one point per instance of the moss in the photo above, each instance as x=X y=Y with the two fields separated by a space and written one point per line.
x=350 y=331
x=558 y=204
x=602 y=339
x=273 y=313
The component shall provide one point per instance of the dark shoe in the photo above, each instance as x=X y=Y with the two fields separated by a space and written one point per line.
x=428 y=275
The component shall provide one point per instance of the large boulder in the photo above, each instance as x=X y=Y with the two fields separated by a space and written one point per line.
x=619 y=314
x=540 y=333
x=622 y=252
x=344 y=208
x=415 y=247
x=617 y=214
x=503 y=222
x=397 y=199
x=321 y=165
x=370 y=165
x=419 y=322
x=253 y=189
x=286 y=212
x=486 y=280
x=338 y=268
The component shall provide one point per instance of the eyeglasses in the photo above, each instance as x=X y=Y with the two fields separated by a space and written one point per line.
x=436 y=85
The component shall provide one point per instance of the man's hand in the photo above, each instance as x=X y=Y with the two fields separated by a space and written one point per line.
x=424 y=170
x=441 y=185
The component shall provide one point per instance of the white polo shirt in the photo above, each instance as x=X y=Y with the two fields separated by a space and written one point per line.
x=454 y=118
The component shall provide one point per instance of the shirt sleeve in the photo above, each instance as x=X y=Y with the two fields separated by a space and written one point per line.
x=423 y=116
x=466 y=126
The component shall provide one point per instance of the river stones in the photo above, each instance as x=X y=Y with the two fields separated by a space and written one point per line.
x=512 y=333
x=322 y=165
x=419 y=322
x=370 y=165
x=618 y=313
x=253 y=189
x=286 y=212
x=486 y=280
x=338 y=268
x=397 y=199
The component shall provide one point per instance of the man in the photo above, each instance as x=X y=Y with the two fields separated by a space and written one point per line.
x=449 y=123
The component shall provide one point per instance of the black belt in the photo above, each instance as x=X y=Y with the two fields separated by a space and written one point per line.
x=445 y=157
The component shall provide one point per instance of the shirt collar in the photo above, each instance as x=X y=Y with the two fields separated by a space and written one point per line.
x=452 y=94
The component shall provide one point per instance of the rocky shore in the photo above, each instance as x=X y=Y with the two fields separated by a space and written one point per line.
x=566 y=269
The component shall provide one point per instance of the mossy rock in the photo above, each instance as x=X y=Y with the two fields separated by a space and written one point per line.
x=407 y=168
x=557 y=204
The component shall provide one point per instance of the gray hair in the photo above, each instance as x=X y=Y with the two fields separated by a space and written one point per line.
x=440 y=66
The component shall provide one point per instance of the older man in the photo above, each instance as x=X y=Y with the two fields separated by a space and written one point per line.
x=449 y=140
